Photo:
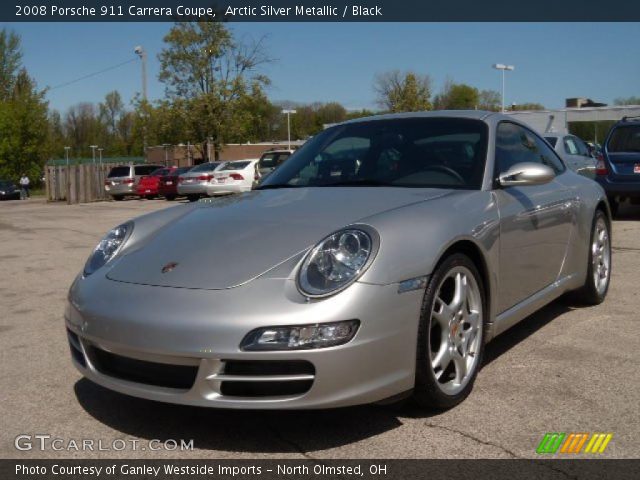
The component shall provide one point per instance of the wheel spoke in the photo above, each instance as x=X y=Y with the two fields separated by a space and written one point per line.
x=442 y=314
x=441 y=361
x=460 y=363
x=461 y=291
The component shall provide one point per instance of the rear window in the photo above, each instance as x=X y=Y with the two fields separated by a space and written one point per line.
x=235 y=165
x=625 y=139
x=205 y=167
x=120 y=172
x=179 y=171
x=145 y=169
x=160 y=172
x=552 y=140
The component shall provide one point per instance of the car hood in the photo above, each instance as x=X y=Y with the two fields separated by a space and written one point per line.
x=227 y=242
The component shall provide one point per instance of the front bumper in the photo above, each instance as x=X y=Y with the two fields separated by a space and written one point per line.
x=202 y=329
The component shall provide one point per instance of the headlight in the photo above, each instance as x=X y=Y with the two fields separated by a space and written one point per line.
x=108 y=247
x=300 y=337
x=337 y=261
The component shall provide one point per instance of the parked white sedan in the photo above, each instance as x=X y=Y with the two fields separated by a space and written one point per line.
x=234 y=177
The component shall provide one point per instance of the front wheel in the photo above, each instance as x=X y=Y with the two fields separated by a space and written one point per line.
x=596 y=285
x=450 y=334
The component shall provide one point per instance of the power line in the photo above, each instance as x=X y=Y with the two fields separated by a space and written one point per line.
x=113 y=67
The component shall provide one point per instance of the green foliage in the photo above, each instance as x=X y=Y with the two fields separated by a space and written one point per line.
x=458 y=96
x=527 y=106
x=633 y=100
x=24 y=126
x=591 y=131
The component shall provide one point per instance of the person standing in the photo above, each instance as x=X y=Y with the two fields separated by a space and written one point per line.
x=24 y=187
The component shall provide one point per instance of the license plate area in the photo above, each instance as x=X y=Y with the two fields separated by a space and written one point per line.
x=636 y=168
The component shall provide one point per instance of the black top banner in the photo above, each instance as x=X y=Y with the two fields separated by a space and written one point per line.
x=321 y=11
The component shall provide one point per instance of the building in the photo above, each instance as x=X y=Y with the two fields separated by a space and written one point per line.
x=579 y=102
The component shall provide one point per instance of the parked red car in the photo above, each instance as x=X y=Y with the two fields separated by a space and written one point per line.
x=168 y=186
x=148 y=186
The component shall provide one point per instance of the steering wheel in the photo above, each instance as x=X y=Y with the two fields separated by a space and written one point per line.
x=447 y=170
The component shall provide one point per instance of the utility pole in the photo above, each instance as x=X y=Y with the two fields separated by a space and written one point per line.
x=142 y=53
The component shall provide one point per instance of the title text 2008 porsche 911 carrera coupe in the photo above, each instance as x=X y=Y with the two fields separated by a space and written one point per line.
x=375 y=263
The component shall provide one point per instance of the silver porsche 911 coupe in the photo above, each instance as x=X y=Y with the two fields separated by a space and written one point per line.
x=375 y=263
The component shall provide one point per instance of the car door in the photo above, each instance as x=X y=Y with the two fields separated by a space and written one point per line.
x=576 y=154
x=535 y=220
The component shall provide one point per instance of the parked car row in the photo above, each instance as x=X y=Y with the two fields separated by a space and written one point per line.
x=207 y=179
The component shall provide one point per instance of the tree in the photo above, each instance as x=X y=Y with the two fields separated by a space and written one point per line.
x=489 y=100
x=10 y=62
x=215 y=74
x=528 y=106
x=627 y=101
x=111 y=111
x=24 y=125
x=458 y=96
x=403 y=92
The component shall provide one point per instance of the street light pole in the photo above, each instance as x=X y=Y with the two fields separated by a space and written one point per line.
x=288 y=112
x=503 y=67
x=93 y=152
x=66 y=154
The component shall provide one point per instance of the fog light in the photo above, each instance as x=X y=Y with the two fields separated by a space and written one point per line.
x=300 y=337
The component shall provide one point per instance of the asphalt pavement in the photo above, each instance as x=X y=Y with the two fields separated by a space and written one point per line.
x=564 y=369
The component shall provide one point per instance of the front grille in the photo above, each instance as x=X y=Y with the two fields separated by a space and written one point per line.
x=265 y=378
x=149 y=373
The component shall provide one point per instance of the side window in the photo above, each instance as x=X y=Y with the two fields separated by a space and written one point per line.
x=515 y=144
x=570 y=146
x=582 y=147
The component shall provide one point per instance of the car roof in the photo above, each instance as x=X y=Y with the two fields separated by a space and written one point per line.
x=471 y=114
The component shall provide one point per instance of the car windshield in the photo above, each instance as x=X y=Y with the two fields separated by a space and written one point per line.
x=205 y=167
x=552 y=140
x=4 y=184
x=625 y=139
x=145 y=169
x=235 y=165
x=160 y=172
x=409 y=152
x=119 y=172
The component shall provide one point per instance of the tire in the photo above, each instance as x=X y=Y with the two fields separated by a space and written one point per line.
x=118 y=198
x=595 y=288
x=193 y=198
x=432 y=389
x=614 y=205
x=169 y=198
x=150 y=197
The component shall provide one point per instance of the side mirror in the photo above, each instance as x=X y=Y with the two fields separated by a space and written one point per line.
x=526 y=173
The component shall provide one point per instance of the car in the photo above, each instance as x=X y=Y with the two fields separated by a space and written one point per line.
x=148 y=185
x=168 y=186
x=234 y=177
x=123 y=180
x=345 y=278
x=9 y=191
x=193 y=184
x=618 y=167
x=272 y=159
x=574 y=151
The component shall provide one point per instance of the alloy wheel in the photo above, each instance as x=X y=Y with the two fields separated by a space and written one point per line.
x=455 y=330
x=601 y=255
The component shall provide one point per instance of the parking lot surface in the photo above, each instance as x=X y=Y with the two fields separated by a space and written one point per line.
x=564 y=369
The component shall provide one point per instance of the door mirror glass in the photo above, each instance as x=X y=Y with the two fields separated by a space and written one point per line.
x=526 y=173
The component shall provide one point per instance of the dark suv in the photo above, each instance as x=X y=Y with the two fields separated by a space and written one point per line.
x=618 y=168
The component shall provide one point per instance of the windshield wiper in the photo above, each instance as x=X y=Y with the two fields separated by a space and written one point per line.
x=273 y=186
x=356 y=183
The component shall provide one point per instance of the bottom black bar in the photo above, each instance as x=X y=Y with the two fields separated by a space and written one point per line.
x=319 y=469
